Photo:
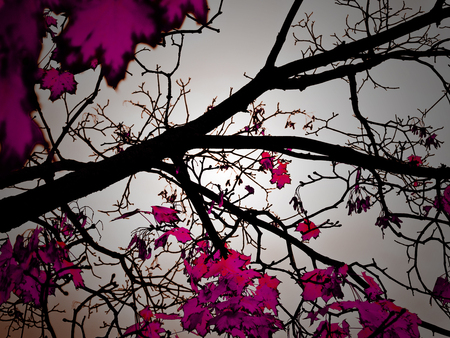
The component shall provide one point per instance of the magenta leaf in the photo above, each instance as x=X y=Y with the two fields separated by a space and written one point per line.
x=266 y=161
x=267 y=292
x=397 y=321
x=170 y=316
x=146 y=313
x=21 y=29
x=176 y=10
x=431 y=141
x=8 y=266
x=327 y=330
x=19 y=134
x=133 y=328
x=195 y=317
x=65 y=268
x=229 y=319
x=250 y=189
x=108 y=31
x=441 y=290
x=280 y=175
x=415 y=160
x=323 y=283
x=181 y=234
x=161 y=240
x=308 y=230
x=374 y=290
x=164 y=215
x=59 y=83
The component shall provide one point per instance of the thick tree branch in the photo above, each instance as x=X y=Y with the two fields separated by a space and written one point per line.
x=281 y=37
x=98 y=176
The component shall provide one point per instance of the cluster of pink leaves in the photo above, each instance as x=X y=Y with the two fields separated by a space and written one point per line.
x=280 y=177
x=374 y=313
x=238 y=300
x=31 y=269
x=99 y=32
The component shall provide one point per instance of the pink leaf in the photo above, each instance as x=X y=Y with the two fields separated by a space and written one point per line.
x=132 y=328
x=164 y=215
x=22 y=29
x=415 y=160
x=183 y=235
x=446 y=200
x=308 y=230
x=374 y=290
x=108 y=31
x=250 y=189
x=76 y=273
x=176 y=10
x=267 y=292
x=195 y=317
x=169 y=316
x=266 y=161
x=161 y=240
x=59 y=83
x=280 y=176
x=441 y=290
x=333 y=330
x=19 y=134
x=146 y=313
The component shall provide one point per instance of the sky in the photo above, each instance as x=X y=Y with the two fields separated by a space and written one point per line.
x=216 y=62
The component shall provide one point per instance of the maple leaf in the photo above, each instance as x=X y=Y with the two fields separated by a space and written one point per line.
x=181 y=234
x=399 y=322
x=267 y=292
x=227 y=320
x=30 y=290
x=250 y=189
x=280 y=176
x=59 y=83
x=415 y=160
x=175 y=11
x=107 y=30
x=19 y=134
x=374 y=290
x=441 y=290
x=322 y=283
x=308 y=230
x=21 y=29
x=65 y=268
x=170 y=316
x=8 y=265
x=233 y=265
x=164 y=215
x=333 y=330
x=195 y=317
x=146 y=313
x=266 y=161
